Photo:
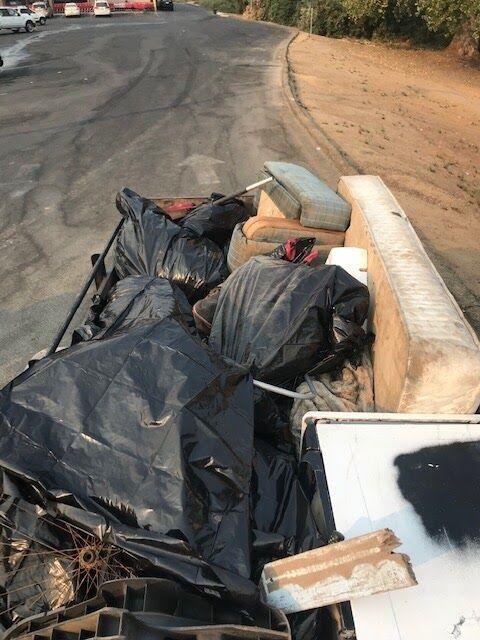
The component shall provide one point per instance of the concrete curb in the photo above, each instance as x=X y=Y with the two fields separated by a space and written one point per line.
x=339 y=157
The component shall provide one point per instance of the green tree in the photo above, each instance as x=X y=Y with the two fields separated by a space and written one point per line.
x=330 y=17
x=459 y=19
x=383 y=17
x=281 y=11
x=367 y=15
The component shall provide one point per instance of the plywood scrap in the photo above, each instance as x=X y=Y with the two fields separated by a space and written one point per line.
x=338 y=572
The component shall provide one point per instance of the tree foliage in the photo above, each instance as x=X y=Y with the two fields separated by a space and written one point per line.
x=330 y=17
x=418 y=19
x=367 y=11
x=283 y=11
x=450 y=15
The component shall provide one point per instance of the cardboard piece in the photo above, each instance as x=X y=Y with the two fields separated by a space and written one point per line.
x=338 y=572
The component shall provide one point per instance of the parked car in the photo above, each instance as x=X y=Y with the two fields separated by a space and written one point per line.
x=165 y=5
x=101 y=8
x=71 y=10
x=43 y=9
x=11 y=19
x=36 y=17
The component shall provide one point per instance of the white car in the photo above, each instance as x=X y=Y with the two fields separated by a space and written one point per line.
x=71 y=10
x=42 y=9
x=11 y=19
x=101 y=8
x=25 y=11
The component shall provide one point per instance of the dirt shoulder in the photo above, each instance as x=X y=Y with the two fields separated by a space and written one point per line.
x=413 y=117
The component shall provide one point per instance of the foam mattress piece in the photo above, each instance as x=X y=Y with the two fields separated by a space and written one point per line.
x=276 y=197
x=320 y=206
x=286 y=204
x=426 y=356
x=268 y=208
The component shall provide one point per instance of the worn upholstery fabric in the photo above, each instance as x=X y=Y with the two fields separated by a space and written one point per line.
x=321 y=207
x=350 y=389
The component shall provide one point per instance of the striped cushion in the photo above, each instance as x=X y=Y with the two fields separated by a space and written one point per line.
x=321 y=207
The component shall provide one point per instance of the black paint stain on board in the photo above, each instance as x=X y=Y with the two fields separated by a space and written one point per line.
x=442 y=484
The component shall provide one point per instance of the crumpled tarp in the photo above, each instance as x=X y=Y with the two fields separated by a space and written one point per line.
x=214 y=221
x=151 y=244
x=151 y=431
x=281 y=319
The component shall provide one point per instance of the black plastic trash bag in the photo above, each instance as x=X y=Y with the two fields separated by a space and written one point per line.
x=283 y=524
x=214 y=221
x=272 y=418
x=281 y=518
x=281 y=319
x=131 y=301
x=148 y=427
x=295 y=250
x=146 y=234
x=151 y=244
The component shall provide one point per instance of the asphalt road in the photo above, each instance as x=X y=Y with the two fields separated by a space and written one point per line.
x=178 y=103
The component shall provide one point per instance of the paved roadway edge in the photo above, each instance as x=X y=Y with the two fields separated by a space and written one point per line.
x=335 y=153
x=338 y=156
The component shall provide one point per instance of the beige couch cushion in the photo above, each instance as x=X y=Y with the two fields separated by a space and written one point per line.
x=242 y=249
x=426 y=356
x=265 y=229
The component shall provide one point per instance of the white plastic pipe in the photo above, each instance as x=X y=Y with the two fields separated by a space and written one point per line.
x=255 y=185
x=283 y=392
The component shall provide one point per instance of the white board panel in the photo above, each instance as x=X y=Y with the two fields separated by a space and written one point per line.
x=365 y=494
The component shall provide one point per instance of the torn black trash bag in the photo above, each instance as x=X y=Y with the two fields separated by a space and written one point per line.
x=214 y=221
x=151 y=244
x=280 y=319
x=294 y=250
x=149 y=420
x=283 y=524
x=282 y=521
x=131 y=301
x=298 y=250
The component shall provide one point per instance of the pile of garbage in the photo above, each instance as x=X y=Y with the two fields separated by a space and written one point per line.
x=153 y=447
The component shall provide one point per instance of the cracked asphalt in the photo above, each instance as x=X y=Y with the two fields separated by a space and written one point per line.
x=88 y=106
